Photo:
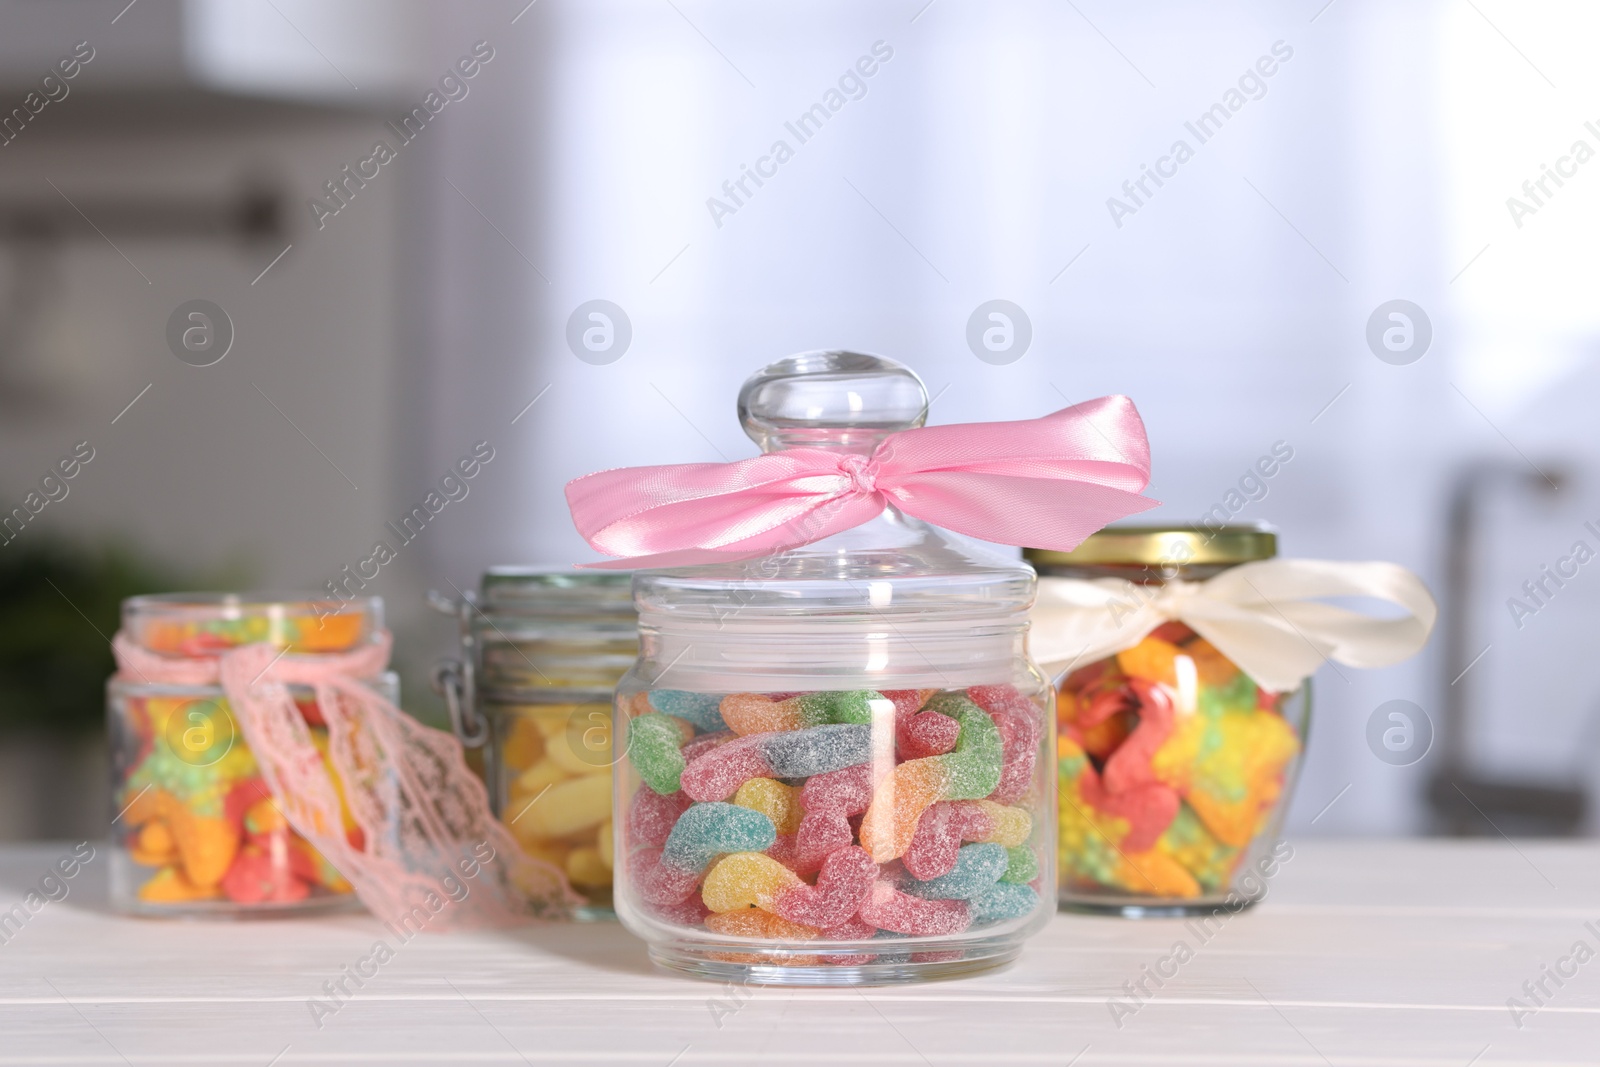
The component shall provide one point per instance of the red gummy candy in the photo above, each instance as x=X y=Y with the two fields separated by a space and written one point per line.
x=926 y=734
x=1128 y=767
x=829 y=799
x=852 y=929
x=847 y=876
x=255 y=877
x=691 y=912
x=652 y=816
x=1017 y=719
x=660 y=884
x=940 y=831
x=889 y=909
x=718 y=774
x=1149 y=808
x=699 y=746
x=783 y=850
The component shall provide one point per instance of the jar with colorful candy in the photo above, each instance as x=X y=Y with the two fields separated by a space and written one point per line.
x=541 y=653
x=196 y=829
x=1174 y=765
x=836 y=757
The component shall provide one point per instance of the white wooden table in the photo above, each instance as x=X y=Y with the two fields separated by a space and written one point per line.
x=1394 y=952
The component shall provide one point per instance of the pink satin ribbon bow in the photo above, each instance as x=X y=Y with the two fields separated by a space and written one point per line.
x=1047 y=482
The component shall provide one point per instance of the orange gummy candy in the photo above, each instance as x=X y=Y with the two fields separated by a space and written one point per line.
x=891 y=820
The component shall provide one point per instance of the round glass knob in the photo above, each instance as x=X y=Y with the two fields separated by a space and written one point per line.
x=840 y=400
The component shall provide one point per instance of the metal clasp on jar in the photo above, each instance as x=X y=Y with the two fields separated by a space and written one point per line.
x=454 y=679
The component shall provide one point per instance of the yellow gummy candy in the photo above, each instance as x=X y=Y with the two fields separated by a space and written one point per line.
x=585 y=869
x=605 y=843
x=746 y=879
x=567 y=808
x=778 y=802
x=169 y=886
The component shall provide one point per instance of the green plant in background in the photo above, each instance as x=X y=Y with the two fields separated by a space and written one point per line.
x=59 y=605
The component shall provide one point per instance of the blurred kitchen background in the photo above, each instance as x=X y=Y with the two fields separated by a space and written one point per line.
x=1239 y=301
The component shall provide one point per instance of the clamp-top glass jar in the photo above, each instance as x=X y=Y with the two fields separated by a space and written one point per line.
x=542 y=652
x=1175 y=766
x=837 y=761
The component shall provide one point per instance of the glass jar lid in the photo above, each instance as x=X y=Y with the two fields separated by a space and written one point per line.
x=1151 y=546
x=535 y=591
x=891 y=568
x=194 y=625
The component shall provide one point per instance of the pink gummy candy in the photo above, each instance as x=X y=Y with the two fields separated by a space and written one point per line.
x=652 y=816
x=1018 y=720
x=705 y=743
x=718 y=773
x=660 y=884
x=829 y=799
x=926 y=734
x=691 y=912
x=783 y=850
x=852 y=929
x=889 y=909
x=939 y=834
x=917 y=735
x=847 y=876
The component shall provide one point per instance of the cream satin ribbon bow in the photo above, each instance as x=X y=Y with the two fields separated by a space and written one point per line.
x=1263 y=616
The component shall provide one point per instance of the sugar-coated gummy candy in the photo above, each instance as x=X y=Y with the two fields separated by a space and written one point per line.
x=746 y=880
x=749 y=922
x=887 y=908
x=655 y=748
x=1004 y=900
x=700 y=709
x=703 y=743
x=1019 y=721
x=977 y=869
x=706 y=831
x=772 y=798
x=828 y=800
x=927 y=734
x=847 y=876
x=651 y=816
x=718 y=773
x=970 y=772
x=753 y=713
x=659 y=883
x=817 y=749
x=1022 y=865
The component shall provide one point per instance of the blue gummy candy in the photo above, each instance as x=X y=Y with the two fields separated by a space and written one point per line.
x=701 y=709
x=706 y=831
x=1006 y=900
x=817 y=750
x=977 y=869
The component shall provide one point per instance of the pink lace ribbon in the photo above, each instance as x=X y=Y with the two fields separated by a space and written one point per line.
x=424 y=816
x=1047 y=482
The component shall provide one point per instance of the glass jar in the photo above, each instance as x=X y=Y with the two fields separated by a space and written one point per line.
x=542 y=652
x=837 y=757
x=1175 y=768
x=195 y=829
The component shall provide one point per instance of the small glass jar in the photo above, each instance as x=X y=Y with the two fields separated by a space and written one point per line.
x=1175 y=768
x=837 y=757
x=195 y=829
x=542 y=652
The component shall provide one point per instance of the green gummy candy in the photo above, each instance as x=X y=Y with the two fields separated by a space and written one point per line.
x=1023 y=866
x=976 y=762
x=847 y=706
x=654 y=743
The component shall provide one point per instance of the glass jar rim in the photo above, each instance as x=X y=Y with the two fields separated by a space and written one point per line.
x=209 y=623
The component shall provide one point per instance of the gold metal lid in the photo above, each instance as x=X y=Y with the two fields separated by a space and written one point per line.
x=1158 y=545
